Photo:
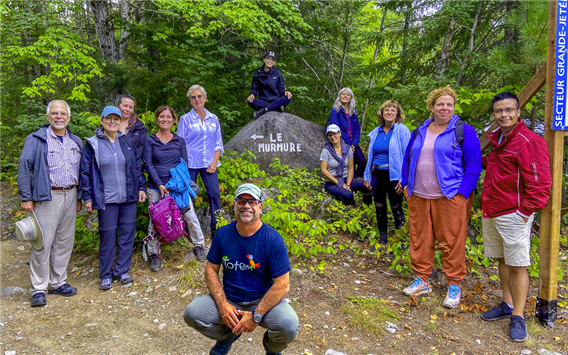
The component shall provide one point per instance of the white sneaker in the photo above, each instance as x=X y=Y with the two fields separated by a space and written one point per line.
x=453 y=297
x=418 y=287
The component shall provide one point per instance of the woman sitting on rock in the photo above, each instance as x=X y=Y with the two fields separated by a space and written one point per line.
x=268 y=83
x=336 y=162
x=163 y=151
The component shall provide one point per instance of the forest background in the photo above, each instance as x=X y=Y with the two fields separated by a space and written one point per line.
x=89 y=52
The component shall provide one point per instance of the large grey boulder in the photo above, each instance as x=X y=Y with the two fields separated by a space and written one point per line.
x=297 y=142
x=13 y=291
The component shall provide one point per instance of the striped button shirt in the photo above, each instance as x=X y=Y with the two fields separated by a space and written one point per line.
x=64 y=159
x=202 y=139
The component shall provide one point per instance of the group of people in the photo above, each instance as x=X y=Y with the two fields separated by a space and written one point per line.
x=436 y=167
x=56 y=173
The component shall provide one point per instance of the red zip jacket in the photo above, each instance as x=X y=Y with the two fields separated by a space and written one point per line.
x=517 y=173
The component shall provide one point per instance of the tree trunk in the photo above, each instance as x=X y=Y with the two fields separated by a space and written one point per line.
x=405 y=42
x=471 y=42
x=444 y=58
x=122 y=40
x=105 y=30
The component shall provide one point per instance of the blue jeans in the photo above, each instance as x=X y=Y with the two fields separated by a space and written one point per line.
x=211 y=182
x=257 y=104
x=346 y=196
x=116 y=222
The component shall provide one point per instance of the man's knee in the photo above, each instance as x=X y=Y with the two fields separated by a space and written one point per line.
x=289 y=329
x=192 y=312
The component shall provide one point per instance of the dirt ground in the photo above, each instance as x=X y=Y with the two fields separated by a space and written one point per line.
x=148 y=316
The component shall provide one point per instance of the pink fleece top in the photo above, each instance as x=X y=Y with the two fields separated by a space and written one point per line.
x=426 y=183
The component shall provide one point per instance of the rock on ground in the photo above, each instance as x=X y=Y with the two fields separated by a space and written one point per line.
x=297 y=142
x=12 y=291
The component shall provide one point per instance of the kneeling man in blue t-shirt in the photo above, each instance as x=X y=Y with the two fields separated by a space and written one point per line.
x=256 y=277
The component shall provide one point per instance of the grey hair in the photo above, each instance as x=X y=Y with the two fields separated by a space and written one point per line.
x=196 y=87
x=351 y=106
x=66 y=104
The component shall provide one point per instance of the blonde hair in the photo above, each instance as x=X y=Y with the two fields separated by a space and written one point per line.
x=391 y=103
x=436 y=94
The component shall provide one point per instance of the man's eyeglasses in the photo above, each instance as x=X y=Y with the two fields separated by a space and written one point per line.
x=197 y=97
x=509 y=110
x=243 y=201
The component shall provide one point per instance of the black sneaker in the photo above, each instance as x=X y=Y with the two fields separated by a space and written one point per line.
x=518 y=329
x=38 y=299
x=223 y=347
x=501 y=311
x=155 y=263
x=64 y=290
x=259 y=113
x=200 y=253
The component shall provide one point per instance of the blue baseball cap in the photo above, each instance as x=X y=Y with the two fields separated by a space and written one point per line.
x=110 y=110
x=270 y=54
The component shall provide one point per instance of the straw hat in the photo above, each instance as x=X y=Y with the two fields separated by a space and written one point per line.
x=29 y=230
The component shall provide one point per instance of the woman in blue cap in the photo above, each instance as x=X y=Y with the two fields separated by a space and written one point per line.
x=268 y=83
x=112 y=183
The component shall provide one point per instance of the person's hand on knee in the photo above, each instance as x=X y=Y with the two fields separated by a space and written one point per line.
x=229 y=314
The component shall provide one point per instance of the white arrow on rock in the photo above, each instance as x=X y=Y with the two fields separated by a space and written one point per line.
x=255 y=136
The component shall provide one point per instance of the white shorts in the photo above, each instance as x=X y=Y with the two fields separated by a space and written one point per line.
x=508 y=237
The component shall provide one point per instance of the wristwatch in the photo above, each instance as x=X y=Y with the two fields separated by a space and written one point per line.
x=256 y=317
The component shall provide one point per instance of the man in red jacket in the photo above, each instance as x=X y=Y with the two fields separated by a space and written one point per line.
x=517 y=184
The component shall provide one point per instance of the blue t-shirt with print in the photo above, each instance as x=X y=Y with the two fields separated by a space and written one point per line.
x=249 y=263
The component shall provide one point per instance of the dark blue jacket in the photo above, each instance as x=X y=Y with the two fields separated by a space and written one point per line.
x=92 y=181
x=138 y=133
x=159 y=158
x=340 y=119
x=34 y=183
x=269 y=85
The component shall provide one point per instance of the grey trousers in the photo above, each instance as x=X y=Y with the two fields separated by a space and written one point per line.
x=48 y=266
x=281 y=322
x=190 y=218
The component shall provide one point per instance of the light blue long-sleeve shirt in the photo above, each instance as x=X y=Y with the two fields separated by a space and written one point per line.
x=397 y=148
x=202 y=139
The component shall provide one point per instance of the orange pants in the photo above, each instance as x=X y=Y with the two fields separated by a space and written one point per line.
x=444 y=221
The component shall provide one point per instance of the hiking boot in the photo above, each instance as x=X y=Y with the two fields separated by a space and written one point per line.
x=38 y=299
x=155 y=263
x=106 y=284
x=501 y=311
x=518 y=329
x=259 y=113
x=418 y=287
x=384 y=237
x=453 y=296
x=64 y=290
x=223 y=347
x=125 y=278
x=199 y=253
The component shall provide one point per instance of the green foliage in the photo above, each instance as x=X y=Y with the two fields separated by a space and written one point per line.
x=86 y=235
x=368 y=314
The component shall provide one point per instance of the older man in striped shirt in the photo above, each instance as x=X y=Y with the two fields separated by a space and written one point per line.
x=48 y=183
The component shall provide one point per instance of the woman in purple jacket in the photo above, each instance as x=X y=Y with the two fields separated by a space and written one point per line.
x=163 y=151
x=344 y=115
x=441 y=167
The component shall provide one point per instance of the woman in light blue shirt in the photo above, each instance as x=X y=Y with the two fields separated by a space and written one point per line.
x=384 y=164
x=202 y=133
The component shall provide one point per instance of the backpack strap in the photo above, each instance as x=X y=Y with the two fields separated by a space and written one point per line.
x=459 y=132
